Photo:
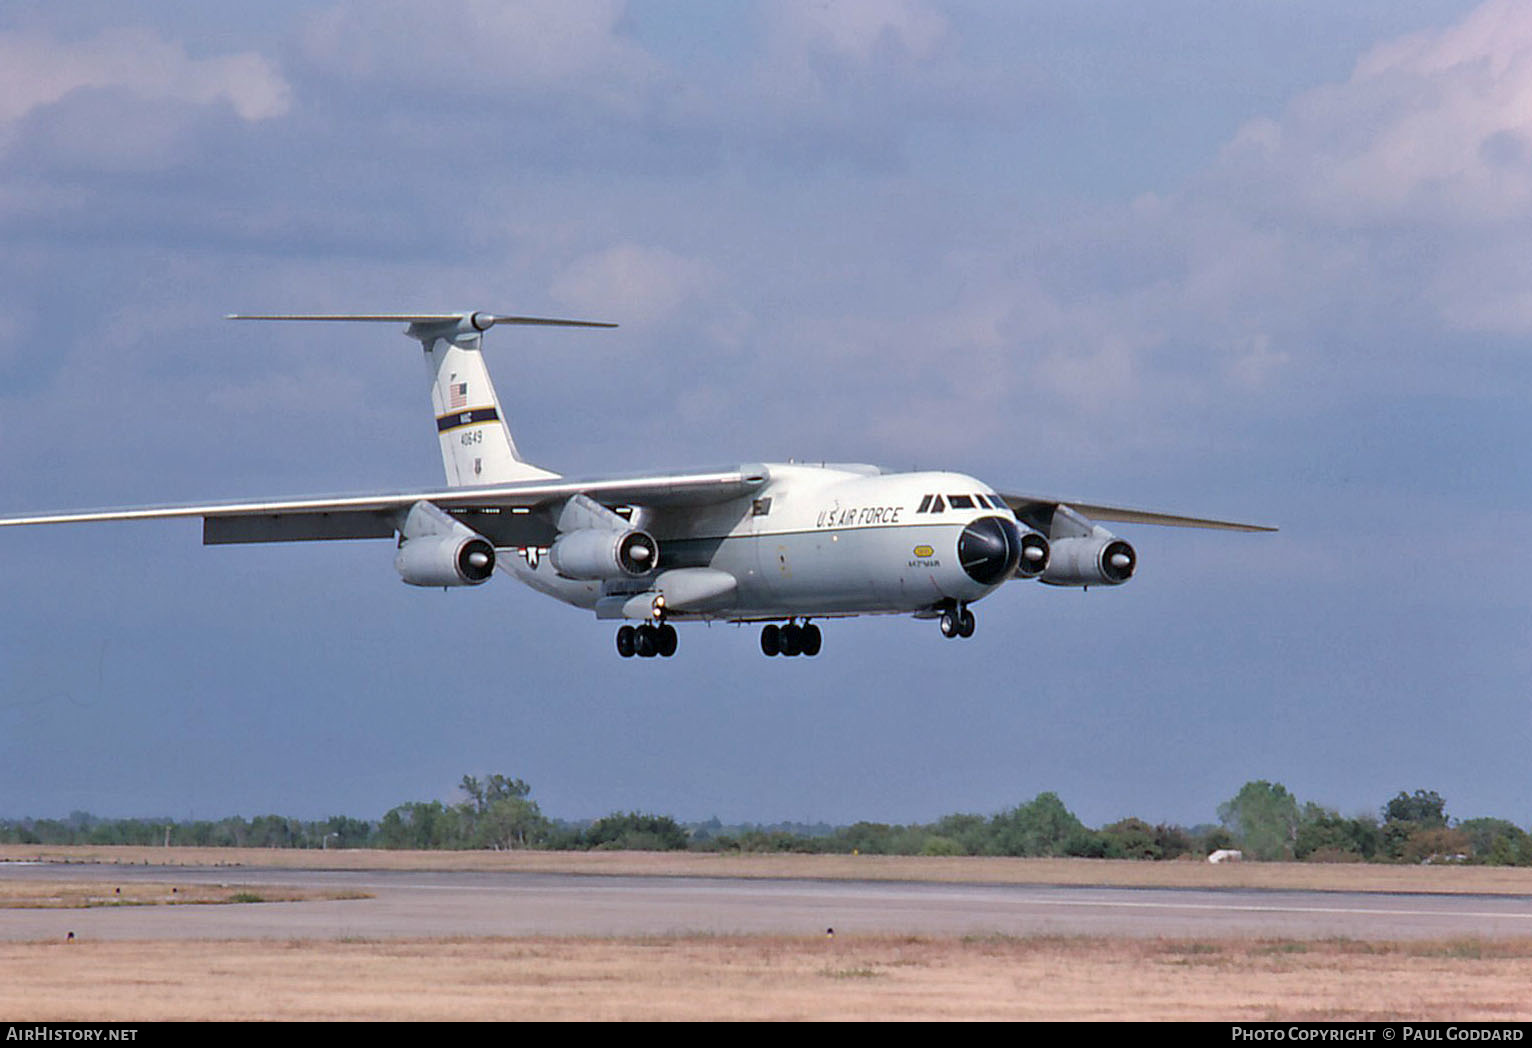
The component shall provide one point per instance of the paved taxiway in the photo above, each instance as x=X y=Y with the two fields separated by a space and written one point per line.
x=415 y=904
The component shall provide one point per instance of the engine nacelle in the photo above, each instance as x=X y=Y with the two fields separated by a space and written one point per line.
x=598 y=553
x=445 y=560
x=1101 y=559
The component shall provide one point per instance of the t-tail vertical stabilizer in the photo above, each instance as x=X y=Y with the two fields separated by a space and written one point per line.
x=476 y=442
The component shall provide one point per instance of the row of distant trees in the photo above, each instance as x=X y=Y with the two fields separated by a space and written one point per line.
x=1269 y=823
x=496 y=813
x=499 y=814
x=1263 y=820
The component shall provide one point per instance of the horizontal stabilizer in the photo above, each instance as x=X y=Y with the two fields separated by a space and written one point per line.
x=481 y=321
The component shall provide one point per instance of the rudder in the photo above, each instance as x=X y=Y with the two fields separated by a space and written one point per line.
x=476 y=442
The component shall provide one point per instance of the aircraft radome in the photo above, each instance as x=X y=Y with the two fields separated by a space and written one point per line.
x=783 y=544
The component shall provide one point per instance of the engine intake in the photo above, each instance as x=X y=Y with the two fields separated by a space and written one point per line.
x=1092 y=560
x=596 y=553
x=1035 y=555
x=445 y=560
x=989 y=549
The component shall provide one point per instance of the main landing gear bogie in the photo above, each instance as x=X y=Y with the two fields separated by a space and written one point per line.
x=647 y=641
x=791 y=639
x=957 y=621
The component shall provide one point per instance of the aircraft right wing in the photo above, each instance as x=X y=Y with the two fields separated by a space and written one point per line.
x=506 y=514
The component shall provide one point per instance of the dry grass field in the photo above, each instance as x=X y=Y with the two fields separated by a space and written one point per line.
x=770 y=977
x=766 y=977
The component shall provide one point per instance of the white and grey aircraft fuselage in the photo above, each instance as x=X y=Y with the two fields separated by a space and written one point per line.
x=783 y=544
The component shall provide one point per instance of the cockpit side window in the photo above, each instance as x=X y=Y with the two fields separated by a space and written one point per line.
x=960 y=501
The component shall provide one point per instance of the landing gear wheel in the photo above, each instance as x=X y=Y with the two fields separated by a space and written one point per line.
x=811 y=639
x=771 y=640
x=645 y=644
x=666 y=639
x=791 y=639
x=625 y=642
x=965 y=623
x=949 y=623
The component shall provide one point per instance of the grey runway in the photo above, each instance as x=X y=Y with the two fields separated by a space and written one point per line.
x=423 y=905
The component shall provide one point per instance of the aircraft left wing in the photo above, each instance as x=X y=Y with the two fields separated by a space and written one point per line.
x=506 y=514
x=1037 y=511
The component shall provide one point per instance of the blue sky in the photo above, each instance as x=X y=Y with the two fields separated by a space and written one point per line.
x=1261 y=261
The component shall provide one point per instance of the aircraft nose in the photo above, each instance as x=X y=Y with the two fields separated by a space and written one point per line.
x=989 y=549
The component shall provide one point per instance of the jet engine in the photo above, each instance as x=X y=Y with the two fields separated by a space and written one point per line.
x=600 y=553
x=1035 y=554
x=1100 y=559
x=445 y=560
x=437 y=549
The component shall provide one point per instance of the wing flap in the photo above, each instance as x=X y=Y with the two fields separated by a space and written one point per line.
x=297 y=527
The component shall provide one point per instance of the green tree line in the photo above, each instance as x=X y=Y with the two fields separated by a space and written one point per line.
x=1263 y=820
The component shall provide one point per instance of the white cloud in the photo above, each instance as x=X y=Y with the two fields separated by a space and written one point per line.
x=1431 y=127
x=483 y=46
x=846 y=53
x=1253 y=361
x=641 y=284
x=1339 y=245
x=857 y=28
x=38 y=70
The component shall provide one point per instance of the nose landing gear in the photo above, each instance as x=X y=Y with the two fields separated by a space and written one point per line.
x=791 y=639
x=957 y=621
